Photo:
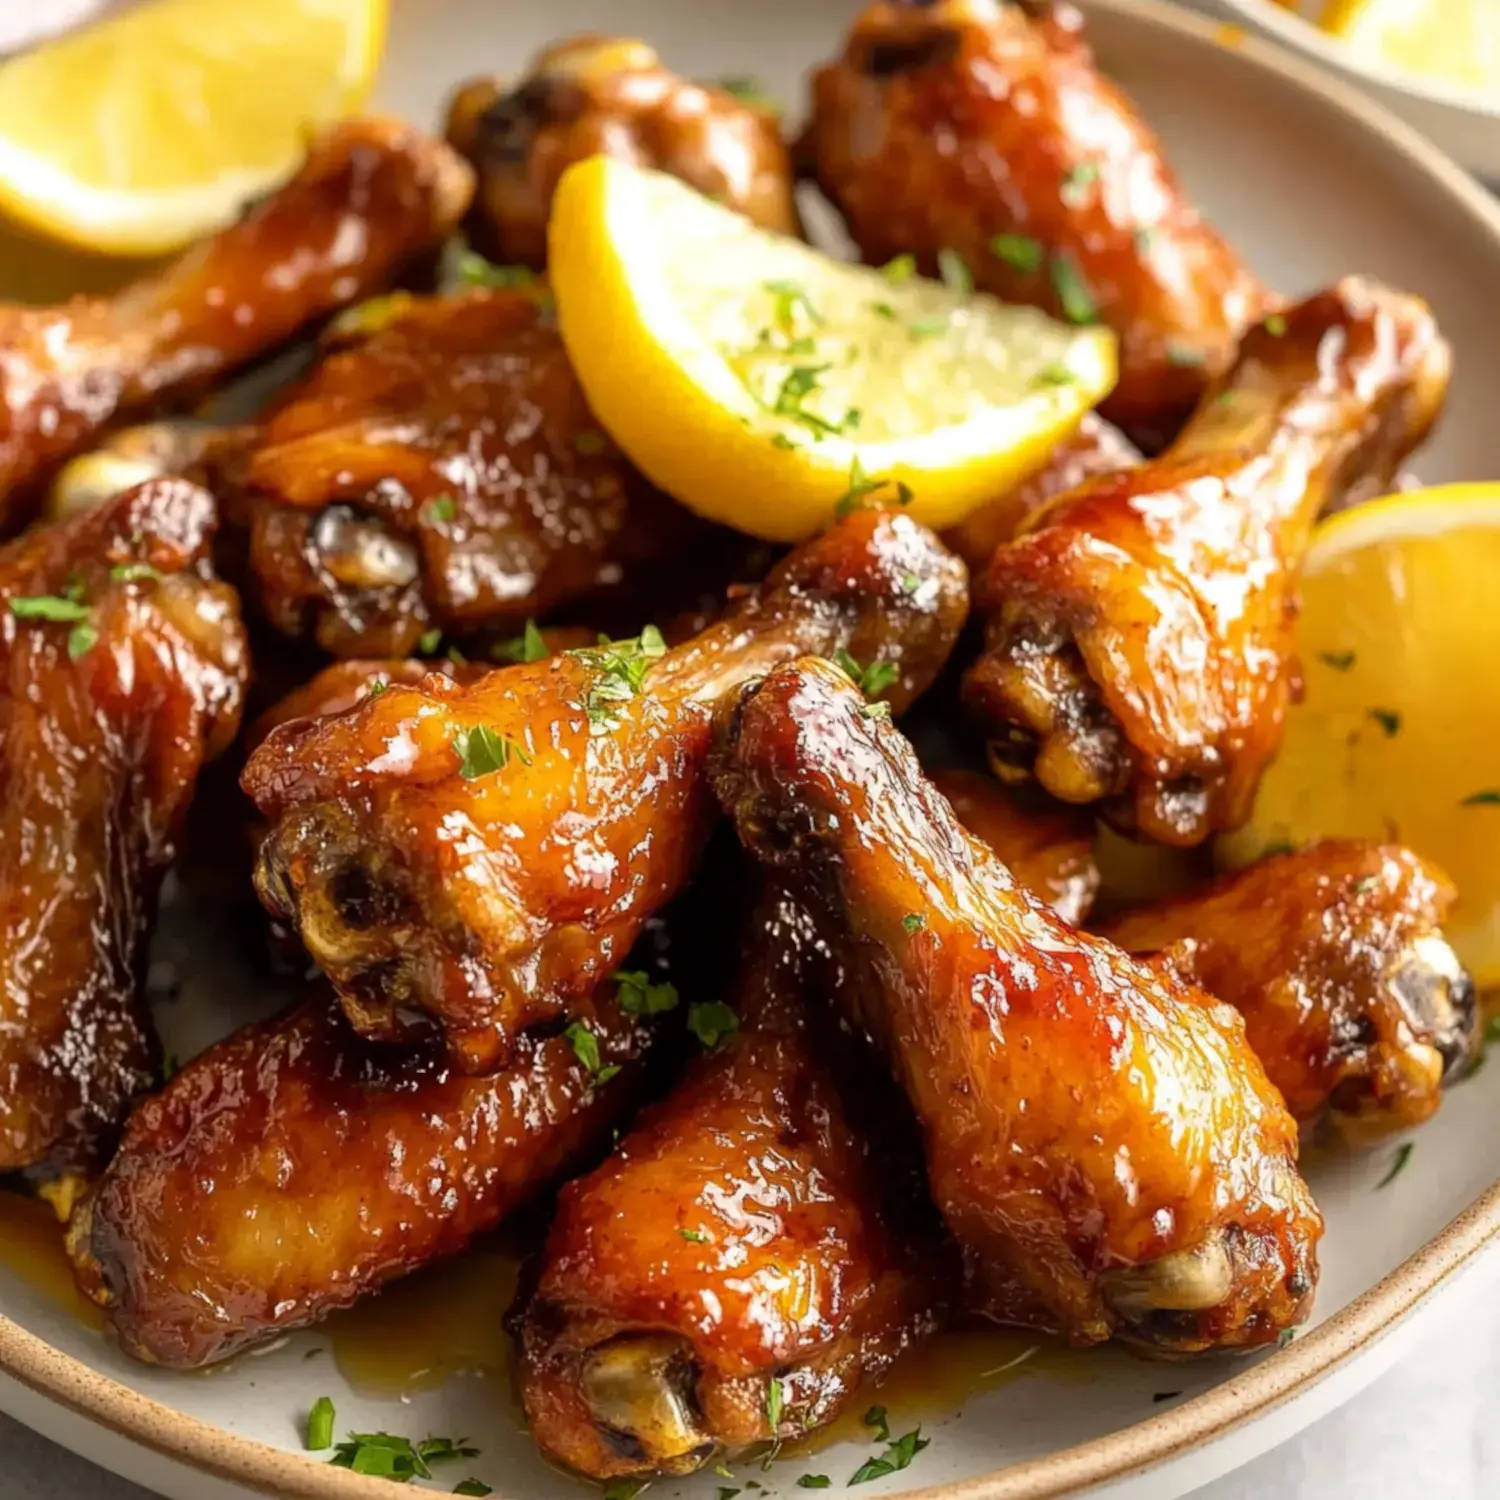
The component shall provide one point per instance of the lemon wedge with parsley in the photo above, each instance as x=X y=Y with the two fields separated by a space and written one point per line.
x=148 y=129
x=1398 y=734
x=766 y=385
x=1455 y=42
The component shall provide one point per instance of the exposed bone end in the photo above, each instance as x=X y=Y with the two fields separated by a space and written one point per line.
x=1160 y=1304
x=639 y=1390
x=125 y=459
x=1439 y=992
x=360 y=552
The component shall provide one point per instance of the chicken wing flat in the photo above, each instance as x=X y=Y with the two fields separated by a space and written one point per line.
x=440 y=469
x=196 y=1241
x=1100 y=1139
x=983 y=127
x=487 y=854
x=593 y=95
x=1139 y=645
x=1335 y=957
x=124 y=664
x=373 y=195
x=747 y=1233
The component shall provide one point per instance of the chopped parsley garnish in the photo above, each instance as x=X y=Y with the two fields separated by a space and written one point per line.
x=428 y=642
x=1365 y=884
x=723 y=1471
x=590 y=442
x=481 y=752
x=876 y=1417
x=1490 y=797
x=319 y=1426
x=711 y=1021
x=81 y=638
x=1398 y=1163
x=1073 y=294
x=456 y=656
x=639 y=997
x=376 y=688
x=873 y=680
x=398 y=1458
x=1184 y=356
x=799 y=383
x=1073 y=191
x=623 y=1489
x=1276 y=326
x=530 y=645
x=472 y=1487
x=1285 y=1337
x=900 y=268
x=136 y=572
x=955 y=272
x=620 y=670
x=781 y=440
x=813 y=1482
x=439 y=508
x=696 y=1236
x=1144 y=239
x=465 y=267
x=881 y=710
x=748 y=90
x=910 y=583
x=1340 y=661
x=883 y=310
x=773 y=1405
x=914 y=921
x=1055 y=374
x=862 y=486
x=586 y=1049
x=1388 y=719
x=727 y=1492
x=790 y=300
x=1019 y=250
x=898 y=1455
x=48 y=607
x=928 y=328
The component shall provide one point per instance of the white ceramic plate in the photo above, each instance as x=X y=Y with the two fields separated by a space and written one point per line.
x=1312 y=181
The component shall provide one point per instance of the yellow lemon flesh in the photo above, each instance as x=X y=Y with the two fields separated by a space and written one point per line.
x=1398 y=736
x=764 y=384
x=192 y=107
x=1455 y=42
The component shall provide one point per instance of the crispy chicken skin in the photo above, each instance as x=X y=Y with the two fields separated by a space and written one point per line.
x=439 y=468
x=196 y=1241
x=985 y=128
x=372 y=196
x=492 y=903
x=594 y=95
x=1334 y=956
x=1140 y=635
x=747 y=1230
x=1048 y=848
x=105 y=721
x=1100 y=1139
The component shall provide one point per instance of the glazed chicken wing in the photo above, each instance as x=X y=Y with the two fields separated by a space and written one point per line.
x=1140 y=633
x=983 y=127
x=593 y=95
x=488 y=854
x=372 y=196
x=749 y=1230
x=124 y=664
x=439 y=469
x=1100 y=1139
x=1334 y=956
x=197 y=1240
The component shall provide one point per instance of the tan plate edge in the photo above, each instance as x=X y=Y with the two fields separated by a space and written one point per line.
x=1232 y=1404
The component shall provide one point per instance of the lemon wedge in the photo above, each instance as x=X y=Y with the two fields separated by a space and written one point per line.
x=1398 y=735
x=1446 y=41
x=138 y=134
x=765 y=384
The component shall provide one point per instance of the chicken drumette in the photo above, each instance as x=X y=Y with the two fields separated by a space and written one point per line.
x=1139 y=645
x=124 y=665
x=1100 y=1139
x=611 y=95
x=373 y=196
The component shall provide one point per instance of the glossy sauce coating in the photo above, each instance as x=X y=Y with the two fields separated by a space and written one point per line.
x=372 y=196
x=947 y=126
x=1100 y=1138
x=439 y=468
x=294 y=1168
x=747 y=1229
x=105 y=723
x=1335 y=957
x=1140 y=636
x=492 y=903
x=593 y=95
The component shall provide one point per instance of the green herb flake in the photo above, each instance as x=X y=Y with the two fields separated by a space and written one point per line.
x=81 y=638
x=910 y=583
x=463 y=267
x=774 y=1398
x=136 y=572
x=1075 y=185
x=862 y=486
x=1055 y=374
x=387 y=1457
x=813 y=1482
x=439 y=509
x=1184 y=356
x=928 y=328
x=428 y=642
x=955 y=272
x=791 y=300
x=456 y=656
x=639 y=997
x=723 y=1471
x=481 y=752
x=472 y=1487
x=1365 y=884
x=1398 y=1163
x=881 y=710
x=712 y=1022
x=695 y=1237
x=1388 y=719
x=883 y=310
x=898 y=1455
x=748 y=90
x=781 y=440
x=530 y=645
x=1285 y=1337
x=620 y=669
x=1339 y=661
x=1019 y=251
x=1275 y=325
x=727 y=1493
x=376 y=688
x=1145 y=238
x=1073 y=294
x=586 y=1049
x=623 y=1489
x=1490 y=797
x=900 y=268
x=877 y=1418
x=913 y=921
x=48 y=607
x=873 y=680
x=320 y=1419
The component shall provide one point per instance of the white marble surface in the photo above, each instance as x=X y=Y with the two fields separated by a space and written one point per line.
x=1428 y=1428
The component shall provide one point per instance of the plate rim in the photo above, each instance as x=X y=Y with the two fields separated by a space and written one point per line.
x=1234 y=1403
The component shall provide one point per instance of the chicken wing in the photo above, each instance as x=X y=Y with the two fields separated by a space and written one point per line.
x=1334 y=956
x=439 y=469
x=600 y=94
x=124 y=665
x=983 y=128
x=373 y=195
x=488 y=854
x=196 y=1241
x=1140 y=630
x=749 y=1234
x=1099 y=1137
